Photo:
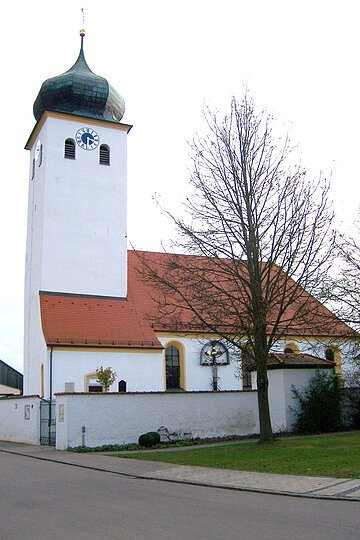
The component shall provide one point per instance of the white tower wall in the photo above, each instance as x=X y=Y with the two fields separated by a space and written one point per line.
x=84 y=246
x=77 y=241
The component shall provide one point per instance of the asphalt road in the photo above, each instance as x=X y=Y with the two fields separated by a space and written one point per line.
x=46 y=500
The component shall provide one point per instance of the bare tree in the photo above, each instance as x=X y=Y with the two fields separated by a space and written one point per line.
x=262 y=239
x=342 y=293
x=344 y=289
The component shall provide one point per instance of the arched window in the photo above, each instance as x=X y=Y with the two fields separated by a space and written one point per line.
x=330 y=354
x=291 y=348
x=104 y=155
x=40 y=155
x=91 y=384
x=42 y=381
x=247 y=359
x=69 y=149
x=33 y=169
x=172 y=361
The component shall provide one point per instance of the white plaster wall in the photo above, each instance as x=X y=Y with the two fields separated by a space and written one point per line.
x=84 y=244
x=122 y=418
x=277 y=400
x=34 y=344
x=77 y=213
x=142 y=371
x=283 y=406
x=199 y=377
x=13 y=425
x=76 y=233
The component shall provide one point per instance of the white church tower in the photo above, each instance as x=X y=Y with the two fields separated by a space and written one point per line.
x=76 y=239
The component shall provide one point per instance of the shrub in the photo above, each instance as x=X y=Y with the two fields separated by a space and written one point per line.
x=106 y=377
x=355 y=412
x=149 y=439
x=320 y=404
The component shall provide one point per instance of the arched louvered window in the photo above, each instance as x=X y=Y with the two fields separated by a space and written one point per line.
x=104 y=156
x=33 y=169
x=41 y=155
x=69 y=150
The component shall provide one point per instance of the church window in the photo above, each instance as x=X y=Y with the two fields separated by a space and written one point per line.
x=42 y=380
x=291 y=348
x=69 y=150
x=33 y=169
x=40 y=155
x=172 y=366
x=247 y=359
x=91 y=384
x=104 y=155
x=330 y=354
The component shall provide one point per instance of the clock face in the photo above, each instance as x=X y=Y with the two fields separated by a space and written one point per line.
x=87 y=138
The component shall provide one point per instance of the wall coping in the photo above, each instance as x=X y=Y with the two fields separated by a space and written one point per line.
x=177 y=393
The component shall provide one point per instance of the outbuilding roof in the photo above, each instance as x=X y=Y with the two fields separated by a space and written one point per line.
x=297 y=360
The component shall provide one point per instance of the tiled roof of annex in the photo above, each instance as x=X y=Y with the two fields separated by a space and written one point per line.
x=132 y=322
x=297 y=360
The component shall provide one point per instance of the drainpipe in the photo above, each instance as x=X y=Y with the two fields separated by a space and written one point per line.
x=51 y=373
x=50 y=391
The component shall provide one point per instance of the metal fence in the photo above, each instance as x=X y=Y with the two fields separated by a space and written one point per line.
x=47 y=423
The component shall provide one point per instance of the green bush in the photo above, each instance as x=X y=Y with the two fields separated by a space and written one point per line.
x=152 y=438
x=320 y=404
x=355 y=413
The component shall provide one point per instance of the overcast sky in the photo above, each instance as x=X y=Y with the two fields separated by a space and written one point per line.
x=299 y=59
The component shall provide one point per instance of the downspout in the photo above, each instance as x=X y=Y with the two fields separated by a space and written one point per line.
x=50 y=392
x=51 y=373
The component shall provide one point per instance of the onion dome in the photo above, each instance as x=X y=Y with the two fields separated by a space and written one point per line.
x=80 y=91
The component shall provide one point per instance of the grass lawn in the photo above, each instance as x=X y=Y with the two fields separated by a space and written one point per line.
x=336 y=455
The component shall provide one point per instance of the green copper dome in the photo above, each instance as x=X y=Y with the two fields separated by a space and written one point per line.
x=80 y=91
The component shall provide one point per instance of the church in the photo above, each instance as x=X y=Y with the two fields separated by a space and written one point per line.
x=86 y=303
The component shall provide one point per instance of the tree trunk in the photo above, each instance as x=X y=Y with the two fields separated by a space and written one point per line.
x=261 y=358
x=266 y=433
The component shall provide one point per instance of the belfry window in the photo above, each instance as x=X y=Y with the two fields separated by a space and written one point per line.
x=104 y=155
x=40 y=156
x=33 y=169
x=69 y=149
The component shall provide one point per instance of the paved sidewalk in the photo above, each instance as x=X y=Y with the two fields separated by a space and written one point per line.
x=298 y=486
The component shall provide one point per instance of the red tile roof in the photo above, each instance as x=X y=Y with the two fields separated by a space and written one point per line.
x=78 y=320
x=297 y=360
x=94 y=322
x=173 y=314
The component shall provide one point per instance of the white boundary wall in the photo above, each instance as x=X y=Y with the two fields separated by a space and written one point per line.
x=122 y=418
x=20 y=419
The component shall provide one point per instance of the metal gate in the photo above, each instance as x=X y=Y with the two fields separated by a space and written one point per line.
x=47 y=423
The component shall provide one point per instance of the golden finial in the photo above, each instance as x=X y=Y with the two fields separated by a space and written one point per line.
x=82 y=31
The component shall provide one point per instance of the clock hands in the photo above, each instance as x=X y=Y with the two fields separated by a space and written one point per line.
x=87 y=138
